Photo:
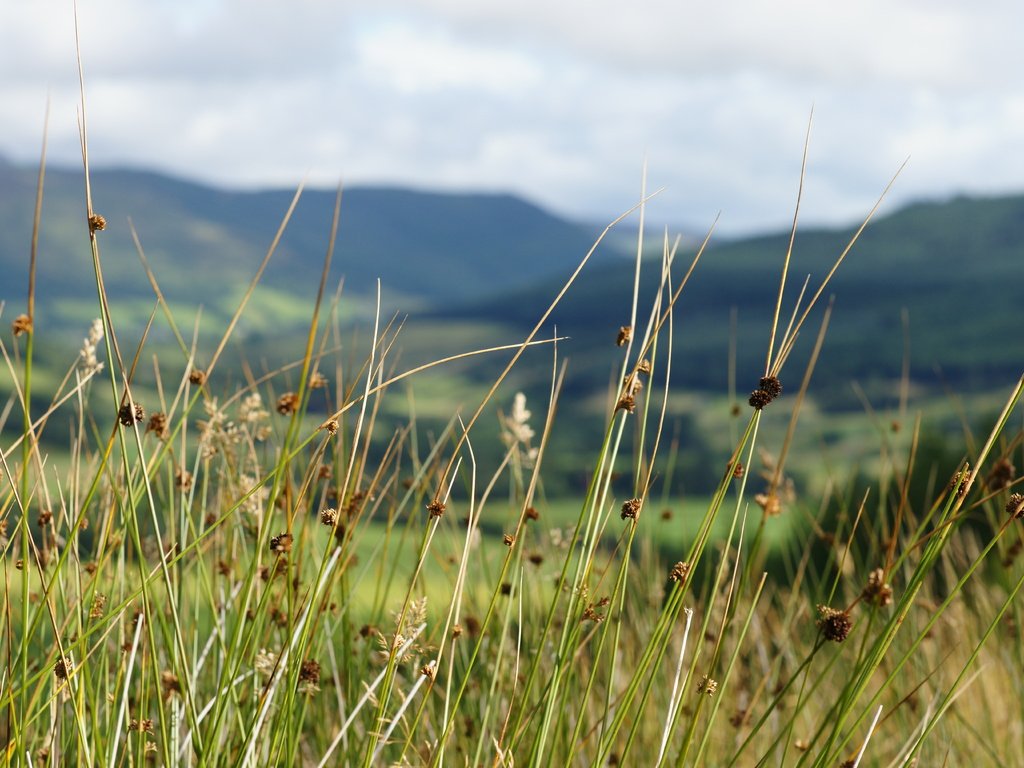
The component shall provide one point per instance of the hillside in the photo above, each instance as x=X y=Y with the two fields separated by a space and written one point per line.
x=204 y=243
x=951 y=265
x=470 y=265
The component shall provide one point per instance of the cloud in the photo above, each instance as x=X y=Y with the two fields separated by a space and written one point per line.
x=561 y=102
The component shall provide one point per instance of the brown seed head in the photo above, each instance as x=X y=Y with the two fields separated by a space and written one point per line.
x=429 y=670
x=309 y=672
x=128 y=416
x=331 y=425
x=281 y=544
x=771 y=385
x=506 y=588
x=317 y=380
x=532 y=513
x=626 y=403
x=169 y=682
x=508 y=539
x=631 y=509
x=679 y=571
x=770 y=503
x=1001 y=475
x=22 y=324
x=197 y=377
x=183 y=480
x=877 y=591
x=737 y=470
x=644 y=366
x=157 y=424
x=1015 y=506
x=666 y=514
x=63 y=668
x=959 y=482
x=45 y=518
x=625 y=334
x=97 y=223
x=329 y=516
x=436 y=508
x=759 y=399
x=834 y=625
x=287 y=403
x=536 y=558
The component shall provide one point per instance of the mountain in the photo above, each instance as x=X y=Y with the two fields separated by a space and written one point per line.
x=468 y=264
x=204 y=244
x=954 y=267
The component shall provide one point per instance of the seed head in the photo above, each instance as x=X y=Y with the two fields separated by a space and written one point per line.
x=157 y=424
x=287 y=403
x=771 y=385
x=532 y=513
x=625 y=334
x=877 y=591
x=679 y=571
x=759 y=399
x=508 y=539
x=128 y=415
x=1015 y=506
x=834 y=625
x=63 y=668
x=309 y=676
x=631 y=509
x=626 y=403
x=22 y=324
x=99 y=601
x=1001 y=475
x=331 y=425
x=429 y=670
x=770 y=503
x=317 y=380
x=183 y=480
x=329 y=516
x=281 y=544
x=959 y=482
x=169 y=682
x=436 y=508
x=97 y=223
x=707 y=686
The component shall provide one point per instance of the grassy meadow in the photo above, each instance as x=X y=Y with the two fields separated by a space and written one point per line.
x=351 y=559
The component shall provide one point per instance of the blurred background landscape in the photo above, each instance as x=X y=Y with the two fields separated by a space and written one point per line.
x=482 y=151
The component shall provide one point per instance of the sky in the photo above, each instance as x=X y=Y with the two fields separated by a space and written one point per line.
x=564 y=103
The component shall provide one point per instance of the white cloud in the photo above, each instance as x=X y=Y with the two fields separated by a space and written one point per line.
x=558 y=101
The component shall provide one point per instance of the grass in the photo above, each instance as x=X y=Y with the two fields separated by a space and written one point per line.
x=264 y=570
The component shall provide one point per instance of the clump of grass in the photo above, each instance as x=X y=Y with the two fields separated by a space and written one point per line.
x=219 y=575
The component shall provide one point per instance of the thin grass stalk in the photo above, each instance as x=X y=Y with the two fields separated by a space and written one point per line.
x=727 y=676
x=675 y=698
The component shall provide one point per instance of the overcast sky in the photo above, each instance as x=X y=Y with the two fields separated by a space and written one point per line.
x=558 y=101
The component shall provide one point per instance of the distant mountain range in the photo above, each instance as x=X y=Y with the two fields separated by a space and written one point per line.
x=954 y=267
x=204 y=244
